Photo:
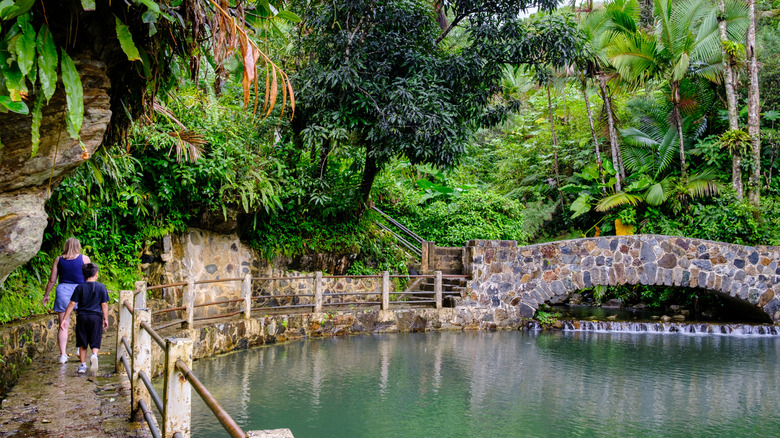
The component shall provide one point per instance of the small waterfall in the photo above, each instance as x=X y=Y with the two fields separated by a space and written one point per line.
x=693 y=328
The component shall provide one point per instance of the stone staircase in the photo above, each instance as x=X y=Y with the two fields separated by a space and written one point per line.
x=450 y=262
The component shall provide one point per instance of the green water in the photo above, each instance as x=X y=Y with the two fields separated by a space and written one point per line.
x=504 y=384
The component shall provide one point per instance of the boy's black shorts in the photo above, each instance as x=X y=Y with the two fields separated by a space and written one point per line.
x=89 y=330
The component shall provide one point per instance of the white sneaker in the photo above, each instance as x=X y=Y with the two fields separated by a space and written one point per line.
x=64 y=358
x=82 y=368
x=93 y=362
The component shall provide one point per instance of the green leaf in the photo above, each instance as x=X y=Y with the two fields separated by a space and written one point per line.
x=14 y=81
x=289 y=16
x=126 y=41
x=17 y=107
x=24 y=49
x=10 y=10
x=37 y=116
x=47 y=62
x=74 y=95
x=151 y=5
x=581 y=205
x=88 y=5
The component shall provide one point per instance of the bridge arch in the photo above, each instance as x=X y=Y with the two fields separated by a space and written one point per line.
x=521 y=278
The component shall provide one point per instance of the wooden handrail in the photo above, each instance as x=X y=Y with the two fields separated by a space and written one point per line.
x=219 y=280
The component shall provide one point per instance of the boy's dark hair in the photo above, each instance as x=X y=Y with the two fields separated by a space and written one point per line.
x=89 y=270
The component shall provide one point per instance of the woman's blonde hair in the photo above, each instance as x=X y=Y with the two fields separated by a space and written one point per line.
x=72 y=248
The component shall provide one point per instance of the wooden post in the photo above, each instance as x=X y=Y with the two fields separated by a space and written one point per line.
x=188 y=300
x=142 y=361
x=246 y=294
x=385 y=290
x=424 y=258
x=318 y=292
x=140 y=295
x=177 y=411
x=124 y=328
x=431 y=256
x=437 y=288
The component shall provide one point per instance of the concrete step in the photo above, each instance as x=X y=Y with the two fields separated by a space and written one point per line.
x=449 y=251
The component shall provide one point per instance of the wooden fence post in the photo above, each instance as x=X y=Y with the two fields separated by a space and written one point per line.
x=142 y=360
x=188 y=300
x=424 y=257
x=431 y=256
x=318 y=292
x=177 y=411
x=124 y=328
x=385 y=290
x=246 y=294
x=437 y=289
x=139 y=302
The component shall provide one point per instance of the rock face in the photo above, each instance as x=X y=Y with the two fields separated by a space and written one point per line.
x=525 y=277
x=25 y=181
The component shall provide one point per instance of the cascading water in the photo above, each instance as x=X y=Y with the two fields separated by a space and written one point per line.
x=665 y=327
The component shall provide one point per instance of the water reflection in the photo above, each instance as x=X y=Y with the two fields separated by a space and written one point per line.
x=500 y=384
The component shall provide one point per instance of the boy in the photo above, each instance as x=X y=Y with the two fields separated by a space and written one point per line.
x=92 y=298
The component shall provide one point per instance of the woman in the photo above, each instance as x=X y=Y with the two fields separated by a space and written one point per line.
x=68 y=268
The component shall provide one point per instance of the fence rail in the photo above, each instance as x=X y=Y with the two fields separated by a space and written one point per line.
x=135 y=336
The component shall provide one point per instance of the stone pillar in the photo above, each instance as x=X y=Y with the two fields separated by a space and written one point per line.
x=188 y=300
x=431 y=256
x=385 y=290
x=140 y=295
x=246 y=293
x=142 y=361
x=178 y=391
x=437 y=289
x=318 y=292
x=124 y=328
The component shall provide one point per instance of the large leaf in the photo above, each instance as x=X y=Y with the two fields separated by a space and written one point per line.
x=74 y=95
x=10 y=9
x=17 y=107
x=47 y=62
x=289 y=16
x=126 y=41
x=581 y=205
x=24 y=49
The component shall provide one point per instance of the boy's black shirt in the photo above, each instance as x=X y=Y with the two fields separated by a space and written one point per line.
x=89 y=296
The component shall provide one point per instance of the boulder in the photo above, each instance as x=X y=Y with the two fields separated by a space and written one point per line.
x=26 y=180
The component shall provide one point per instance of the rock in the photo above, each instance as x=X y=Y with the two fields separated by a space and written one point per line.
x=613 y=303
x=575 y=299
x=665 y=318
x=678 y=317
x=24 y=179
x=612 y=317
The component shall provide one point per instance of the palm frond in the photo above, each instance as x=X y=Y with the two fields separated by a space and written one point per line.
x=616 y=200
x=703 y=184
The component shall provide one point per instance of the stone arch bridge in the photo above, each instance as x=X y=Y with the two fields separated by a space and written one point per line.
x=522 y=278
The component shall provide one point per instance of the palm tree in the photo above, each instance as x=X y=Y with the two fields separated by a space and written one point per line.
x=600 y=27
x=685 y=43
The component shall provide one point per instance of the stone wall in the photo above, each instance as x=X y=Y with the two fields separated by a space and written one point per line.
x=506 y=276
x=20 y=342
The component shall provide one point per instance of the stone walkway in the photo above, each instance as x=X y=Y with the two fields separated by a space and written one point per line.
x=52 y=400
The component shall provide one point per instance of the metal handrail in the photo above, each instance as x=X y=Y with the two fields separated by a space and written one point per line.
x=127 y=346
x=404 y=242
x=168 y=309
x=145 y=325
x=160 y=286
x=152 y=392
x=219 y=280
x=170 y=323
x=399 y=225
x=231 y=427
x=150 y=419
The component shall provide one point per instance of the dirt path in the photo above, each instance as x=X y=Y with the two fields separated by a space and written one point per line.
x=52 y=400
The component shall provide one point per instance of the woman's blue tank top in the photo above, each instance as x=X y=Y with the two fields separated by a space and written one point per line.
x=69 y=271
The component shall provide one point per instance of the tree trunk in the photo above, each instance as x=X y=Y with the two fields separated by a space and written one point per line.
x=593 y=134
x=731 y=103
x=754 y=124
x=612 y=137
x=552 y=132
x=675 y=88
x=370 y=170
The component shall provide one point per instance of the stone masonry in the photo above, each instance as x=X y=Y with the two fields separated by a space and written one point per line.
x=505 y=275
